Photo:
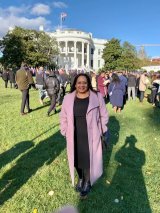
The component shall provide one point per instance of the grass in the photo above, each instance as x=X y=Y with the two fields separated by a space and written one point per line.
x=33 y=161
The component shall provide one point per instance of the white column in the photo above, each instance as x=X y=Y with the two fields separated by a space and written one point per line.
x=75 y=54
x=66 y=56
x=66 y=48
x=82 y=55
x=59 y=56
x=59 y=45
x=88 y=56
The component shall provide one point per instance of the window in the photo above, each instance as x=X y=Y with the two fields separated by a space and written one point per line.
x=92 y=51
x=92 y=63
x=99 y=51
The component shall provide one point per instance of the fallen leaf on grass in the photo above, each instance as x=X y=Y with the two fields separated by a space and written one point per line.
x=148 y=173
x=108 y=182
x=116 y=200
x=51 y=193
x=35 y=211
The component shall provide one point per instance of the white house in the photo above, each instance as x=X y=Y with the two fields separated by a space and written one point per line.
x=79 y=50
x=151 y=68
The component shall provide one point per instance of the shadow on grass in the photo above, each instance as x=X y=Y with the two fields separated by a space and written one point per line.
x=14 y=152
x=114 y=129
x=154 y=116
x=127 y=191
x=27 y=165
x=57 y=111
x=47 y=103
x=7 y=99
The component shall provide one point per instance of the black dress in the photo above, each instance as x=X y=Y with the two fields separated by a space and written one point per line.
x=81 y=147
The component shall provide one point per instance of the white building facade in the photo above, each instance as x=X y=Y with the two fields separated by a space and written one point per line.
x=151 y=68
x=78 y=50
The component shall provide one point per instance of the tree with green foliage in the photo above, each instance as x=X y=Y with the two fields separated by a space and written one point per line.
x=13 y=50
x=30 y=46
x=112 y=54
x=120 y=57
x=128 y=60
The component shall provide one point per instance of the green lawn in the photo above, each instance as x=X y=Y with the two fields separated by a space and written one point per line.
x=33 y=161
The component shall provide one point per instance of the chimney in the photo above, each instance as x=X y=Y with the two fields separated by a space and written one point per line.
x=41 y=28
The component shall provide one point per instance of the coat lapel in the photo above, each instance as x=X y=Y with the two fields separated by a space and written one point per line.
x=71 y=103
x=93 y=101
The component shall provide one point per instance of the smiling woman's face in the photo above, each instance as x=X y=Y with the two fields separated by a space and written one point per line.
x=81 y=84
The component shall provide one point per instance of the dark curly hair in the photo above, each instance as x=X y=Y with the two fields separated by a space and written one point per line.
x=73 y=88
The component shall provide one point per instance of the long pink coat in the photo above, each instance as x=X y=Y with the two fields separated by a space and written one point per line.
x=96 y=104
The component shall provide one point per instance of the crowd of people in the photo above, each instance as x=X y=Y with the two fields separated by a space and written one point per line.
x=116 y=87
x=50 y=84
x=8 y=76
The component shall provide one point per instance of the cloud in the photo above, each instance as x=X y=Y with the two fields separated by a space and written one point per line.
x=40 y=9
x=29 y=23
x=27 y=16
x=17 y=10
x=59 y=4
x=12 y=10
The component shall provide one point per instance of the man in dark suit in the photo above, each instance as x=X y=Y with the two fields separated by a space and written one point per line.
x=52 y=86
x=5 y=77
x=24 y=80
x=11 y=78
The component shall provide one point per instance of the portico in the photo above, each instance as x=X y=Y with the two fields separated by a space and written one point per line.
x=75 y=54
x=77 y=50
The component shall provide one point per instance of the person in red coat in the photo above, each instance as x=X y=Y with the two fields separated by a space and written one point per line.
x=101 y=84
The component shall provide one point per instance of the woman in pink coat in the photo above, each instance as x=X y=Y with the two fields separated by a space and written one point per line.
x=82 y=115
